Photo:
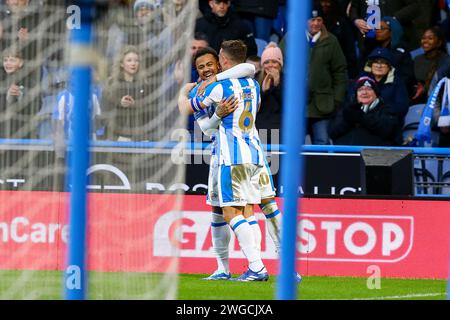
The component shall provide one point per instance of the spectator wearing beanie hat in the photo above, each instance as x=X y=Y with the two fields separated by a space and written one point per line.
x=269 y=117
x=365 y=120
x=272 y=64
x=327 y=77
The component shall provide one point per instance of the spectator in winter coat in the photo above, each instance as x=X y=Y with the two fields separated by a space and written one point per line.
x=327 y=78
x=365 y=120
x=389 y=36
x=339 y=25
x=223 y=24
x=380 y=67
x=127 y=113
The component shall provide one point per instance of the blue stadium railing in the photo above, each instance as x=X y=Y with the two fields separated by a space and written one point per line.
x=198 y=147
x=190 y=146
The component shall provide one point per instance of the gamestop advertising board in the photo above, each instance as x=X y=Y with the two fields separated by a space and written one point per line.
x=338 y=237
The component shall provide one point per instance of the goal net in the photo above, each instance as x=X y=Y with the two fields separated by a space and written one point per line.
x=141 y=59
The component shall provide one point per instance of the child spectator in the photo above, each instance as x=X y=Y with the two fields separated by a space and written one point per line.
x=18 y=98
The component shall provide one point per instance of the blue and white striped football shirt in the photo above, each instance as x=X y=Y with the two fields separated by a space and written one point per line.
x=237 y=140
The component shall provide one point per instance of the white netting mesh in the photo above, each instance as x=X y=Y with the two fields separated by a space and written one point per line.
x=142 y=58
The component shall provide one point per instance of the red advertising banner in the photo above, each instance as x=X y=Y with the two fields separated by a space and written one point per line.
x=142 y=233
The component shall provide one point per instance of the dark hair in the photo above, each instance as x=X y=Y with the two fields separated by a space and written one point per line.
x=254 y=58
x=201 y=36
x=236 y=50
x=204 y=51
x=441 y=37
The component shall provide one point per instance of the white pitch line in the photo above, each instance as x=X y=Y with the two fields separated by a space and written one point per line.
x=408 y=296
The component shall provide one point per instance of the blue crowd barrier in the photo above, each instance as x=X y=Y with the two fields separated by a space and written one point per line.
x=206 y=146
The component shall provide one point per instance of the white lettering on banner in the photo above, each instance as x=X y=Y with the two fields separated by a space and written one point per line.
x=371 y=238
x=114 y=170
x=20 y=230
x=388 y=230
x=344 y=238
x=307 y=242
x=15 y=225
x=15 y=183
x=331 y=228
x=190 y=231
x=380 y=238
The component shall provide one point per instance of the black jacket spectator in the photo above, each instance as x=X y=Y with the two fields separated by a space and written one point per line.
x=263 y=8
x=229 y=27
x=270 y=113
x=340 y=26
x=353 y=127
x=365 y=125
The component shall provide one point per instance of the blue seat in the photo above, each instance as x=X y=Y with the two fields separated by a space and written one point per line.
x=412 y=121
x=261 y=44
x=416 y=52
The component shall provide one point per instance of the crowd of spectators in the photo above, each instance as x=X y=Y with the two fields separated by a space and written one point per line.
x=361 y=82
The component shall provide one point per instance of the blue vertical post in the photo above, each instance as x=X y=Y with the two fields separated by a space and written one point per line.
x=80 y=66
x=294 y=106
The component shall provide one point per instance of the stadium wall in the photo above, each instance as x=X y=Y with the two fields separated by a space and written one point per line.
x=336 y=237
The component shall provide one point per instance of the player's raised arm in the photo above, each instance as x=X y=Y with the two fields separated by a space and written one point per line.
x=210 y=125
x=242 y=70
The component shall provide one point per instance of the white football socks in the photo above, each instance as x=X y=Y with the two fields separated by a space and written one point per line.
x=220 y=232
x=245 y=236
x=256 y=232
x=273 y=218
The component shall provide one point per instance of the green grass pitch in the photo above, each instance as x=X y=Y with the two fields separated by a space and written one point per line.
x=312 y=288
x=192 y=287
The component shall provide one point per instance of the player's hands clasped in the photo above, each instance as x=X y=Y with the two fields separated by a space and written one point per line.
x=227 y=106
